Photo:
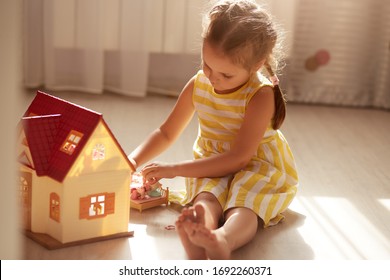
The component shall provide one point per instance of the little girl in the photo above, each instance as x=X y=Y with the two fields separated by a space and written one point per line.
x=243 y=168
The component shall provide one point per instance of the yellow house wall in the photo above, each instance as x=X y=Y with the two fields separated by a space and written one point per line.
x=40 y=206
x=41 y=187
x=89 y=184
x=88 y=177
x=113 y=157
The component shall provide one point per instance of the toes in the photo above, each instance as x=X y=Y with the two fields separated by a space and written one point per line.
x=200 y=213
x=188 y=214
x=189 y=227
x=199 y=209
x=178 y=224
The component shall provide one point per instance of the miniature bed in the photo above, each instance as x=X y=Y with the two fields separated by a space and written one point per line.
x=145 y=195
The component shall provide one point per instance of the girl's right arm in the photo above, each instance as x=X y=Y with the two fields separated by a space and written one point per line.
x=164 y=136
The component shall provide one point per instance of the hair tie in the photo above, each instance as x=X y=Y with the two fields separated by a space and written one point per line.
x=274 y=79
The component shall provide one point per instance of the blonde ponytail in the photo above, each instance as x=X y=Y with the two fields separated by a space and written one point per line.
x=280 y=100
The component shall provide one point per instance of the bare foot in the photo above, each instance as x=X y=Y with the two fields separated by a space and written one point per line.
x=213 y=241
x=188 y=217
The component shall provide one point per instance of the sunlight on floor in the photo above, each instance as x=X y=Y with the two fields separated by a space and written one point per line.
x=143 y=246
x=342 y=229
x=385 y=203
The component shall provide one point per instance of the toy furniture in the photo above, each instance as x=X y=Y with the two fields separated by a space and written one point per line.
x=74 y=175
x=145 y=195
x=151 y=202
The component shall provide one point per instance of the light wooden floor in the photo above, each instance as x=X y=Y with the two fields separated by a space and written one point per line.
x=342 y=210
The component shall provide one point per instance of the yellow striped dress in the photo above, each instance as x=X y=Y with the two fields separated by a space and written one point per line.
x=268 y=184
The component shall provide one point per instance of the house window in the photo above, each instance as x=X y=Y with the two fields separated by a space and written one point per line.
x=98 y=152
x=55 y=207
x=97 y=205
x=71 y=142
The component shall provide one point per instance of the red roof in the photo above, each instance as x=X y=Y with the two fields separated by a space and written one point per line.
x=47 y=124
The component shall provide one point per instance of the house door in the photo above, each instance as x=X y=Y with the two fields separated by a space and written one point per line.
x=25 y=198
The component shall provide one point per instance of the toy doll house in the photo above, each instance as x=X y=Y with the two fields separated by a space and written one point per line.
x=74 y=175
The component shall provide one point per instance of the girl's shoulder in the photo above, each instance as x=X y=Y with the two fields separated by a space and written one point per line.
x=200 y=77
x=257 y=84
x=202 y=82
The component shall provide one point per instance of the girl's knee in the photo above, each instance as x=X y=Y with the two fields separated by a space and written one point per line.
x=212 y=208
x=244 y=214
x=206 y=197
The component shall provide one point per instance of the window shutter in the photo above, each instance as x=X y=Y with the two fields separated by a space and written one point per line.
x=110 y=203
x=54 y=206
x=84 y=207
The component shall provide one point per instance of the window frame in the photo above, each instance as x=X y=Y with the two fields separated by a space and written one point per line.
x=71 y=142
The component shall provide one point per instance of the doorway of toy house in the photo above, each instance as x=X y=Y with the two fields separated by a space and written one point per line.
x=25 y=198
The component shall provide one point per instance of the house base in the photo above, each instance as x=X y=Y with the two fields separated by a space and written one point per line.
x=50 y=243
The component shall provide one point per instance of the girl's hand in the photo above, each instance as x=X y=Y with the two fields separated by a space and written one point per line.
x=155 y=171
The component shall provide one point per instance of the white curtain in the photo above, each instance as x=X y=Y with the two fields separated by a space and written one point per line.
x=341 y=53
x=337 y=51
x=97 y=45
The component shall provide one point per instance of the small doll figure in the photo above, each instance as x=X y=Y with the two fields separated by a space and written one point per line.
x=144 y=190
x=137 y=190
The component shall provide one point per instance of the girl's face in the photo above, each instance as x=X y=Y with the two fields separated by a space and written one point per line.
x=225 y=76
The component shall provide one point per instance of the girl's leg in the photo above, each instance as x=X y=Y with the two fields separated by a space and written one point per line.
x=210 y=214
x=206 y=212
x=193 y=251
x=239 y=228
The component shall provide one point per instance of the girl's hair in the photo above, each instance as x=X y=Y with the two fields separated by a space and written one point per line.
x=245 y=32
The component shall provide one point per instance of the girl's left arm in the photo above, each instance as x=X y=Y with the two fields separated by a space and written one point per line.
x=258 y=115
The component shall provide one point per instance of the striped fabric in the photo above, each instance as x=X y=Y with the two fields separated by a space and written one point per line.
x=269 y=182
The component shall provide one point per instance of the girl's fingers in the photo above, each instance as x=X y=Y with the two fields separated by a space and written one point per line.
x=149 y=176
x=152 y=180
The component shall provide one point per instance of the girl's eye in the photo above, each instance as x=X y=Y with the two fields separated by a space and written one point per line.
x=226 y=76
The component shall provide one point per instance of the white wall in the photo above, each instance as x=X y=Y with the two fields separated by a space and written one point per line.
x=10 y=81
